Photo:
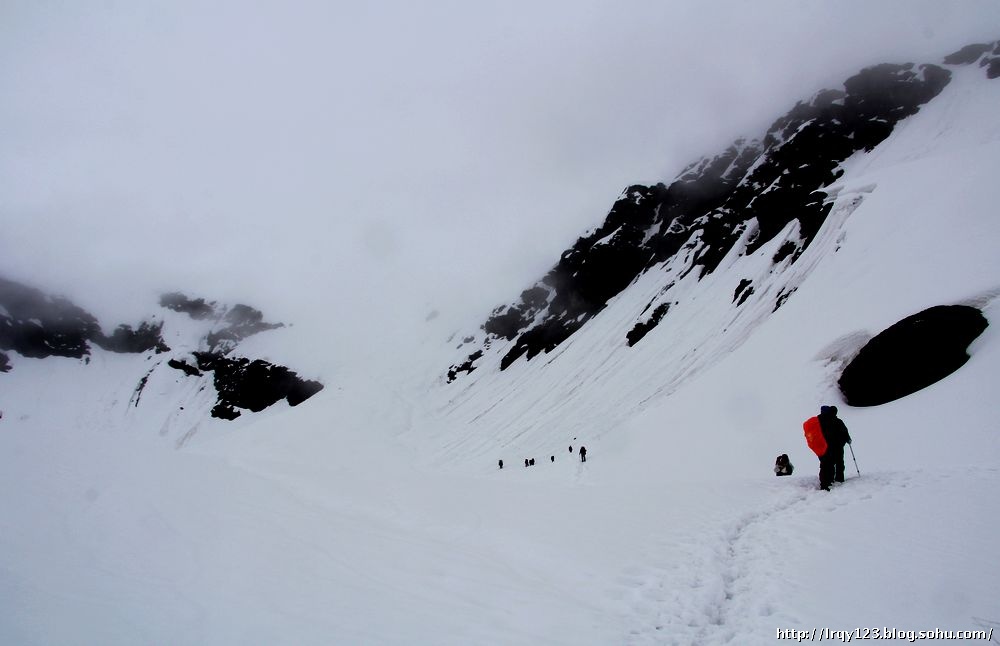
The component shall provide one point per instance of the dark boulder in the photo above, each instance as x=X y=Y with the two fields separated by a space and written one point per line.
x=911 y=355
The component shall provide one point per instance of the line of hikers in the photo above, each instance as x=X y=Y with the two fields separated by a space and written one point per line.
x=530 y=462
x=826 y=434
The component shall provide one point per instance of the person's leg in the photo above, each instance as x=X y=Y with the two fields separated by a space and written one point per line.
x=838 y=465
x=825 y=471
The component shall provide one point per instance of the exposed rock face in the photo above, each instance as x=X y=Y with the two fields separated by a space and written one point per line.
x=142 y=339
x=252 y=385
x=642 y=327
x=197 y=309
x=465 y=367
x=992 y=62
x=241 y=321
x=36 y=325
x=237 y=323
x=751 y=191
x=968 y=54
x=912 y=354
x=185 y=367
x=988 y=55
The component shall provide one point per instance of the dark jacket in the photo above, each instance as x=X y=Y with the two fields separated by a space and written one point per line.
x=834 y=429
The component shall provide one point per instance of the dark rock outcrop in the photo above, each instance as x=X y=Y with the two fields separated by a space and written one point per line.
x=197 y=308
x=912 y=354
x=988 y=55
x=184 y=367
x=751 y=191
x=968 y=54
x=237 y=323
x=126 y=339
x=252 y=384
x=642 y=328
x=241 y=322
x=465 y=367
x=992 y=62
x=36 y=325
x=742 y=289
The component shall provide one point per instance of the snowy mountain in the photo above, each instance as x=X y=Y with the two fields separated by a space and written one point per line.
x=845 y=256
x=204 y=337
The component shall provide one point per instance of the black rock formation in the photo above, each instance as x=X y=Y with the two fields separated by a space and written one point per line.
x=240 y=321
x=968 y=54
x=36 y=325
x=126 y=339
x=237 y=323
x=742 y=289
x=643 y=327
x=465 y=367
x=912 y=354
x=988 y=55
x=184 y=367
x=252 y=384
x=751 y=191
x=197 y=309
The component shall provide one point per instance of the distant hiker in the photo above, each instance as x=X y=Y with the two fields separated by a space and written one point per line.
x=552 y=458
x=525 y=461
x=583 y=454
x=783 y=466
x=531 y=461
x=501 y=464
x=831 y=463
x=570 y=448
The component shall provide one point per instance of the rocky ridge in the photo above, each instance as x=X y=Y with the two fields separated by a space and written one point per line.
x=746 y=195
x=36 y=325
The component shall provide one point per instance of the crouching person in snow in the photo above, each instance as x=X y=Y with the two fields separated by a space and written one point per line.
x=783 y=466
x=831 y=463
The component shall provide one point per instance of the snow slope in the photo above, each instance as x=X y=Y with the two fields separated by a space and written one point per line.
x=375 y=513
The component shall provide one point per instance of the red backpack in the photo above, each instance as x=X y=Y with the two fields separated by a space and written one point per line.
x=814 y=436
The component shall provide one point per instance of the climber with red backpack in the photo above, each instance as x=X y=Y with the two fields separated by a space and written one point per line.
x=826 y=434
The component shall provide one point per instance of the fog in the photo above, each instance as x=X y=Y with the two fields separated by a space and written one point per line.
x=375 y=162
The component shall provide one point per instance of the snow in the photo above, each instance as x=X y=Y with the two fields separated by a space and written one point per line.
x=606 y=239
x=375 y=513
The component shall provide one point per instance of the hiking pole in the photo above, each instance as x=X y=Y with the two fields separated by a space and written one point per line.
x=855 y=460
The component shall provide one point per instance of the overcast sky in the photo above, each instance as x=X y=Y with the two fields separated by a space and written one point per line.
x=439 y=154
